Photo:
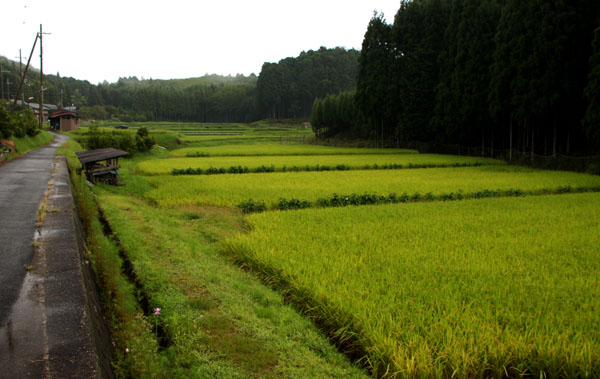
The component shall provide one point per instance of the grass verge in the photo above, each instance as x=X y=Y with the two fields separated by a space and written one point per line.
x=26 y=144
x=136 y=345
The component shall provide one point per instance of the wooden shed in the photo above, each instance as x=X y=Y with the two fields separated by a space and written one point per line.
x=102 y=165
x=63 y=120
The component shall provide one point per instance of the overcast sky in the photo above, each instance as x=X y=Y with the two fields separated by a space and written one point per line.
x=107 y=39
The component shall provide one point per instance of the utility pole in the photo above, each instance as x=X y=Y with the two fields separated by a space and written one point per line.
x=24 y=73
x=8 y=88
x=41 y=79
x=20 y=74
x=2 y=72
x=41 y=104
x=2 y=80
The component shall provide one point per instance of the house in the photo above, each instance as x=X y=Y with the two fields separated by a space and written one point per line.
x=35 y=107
x=63 y=120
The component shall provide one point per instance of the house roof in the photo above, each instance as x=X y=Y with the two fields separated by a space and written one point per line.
x=37 y=105
x=63 y=113
x=100 y=155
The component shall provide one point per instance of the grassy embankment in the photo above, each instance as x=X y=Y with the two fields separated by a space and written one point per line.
x=26 y=144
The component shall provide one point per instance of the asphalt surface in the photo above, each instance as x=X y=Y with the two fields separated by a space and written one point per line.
x=49 y=332
x=22 y=185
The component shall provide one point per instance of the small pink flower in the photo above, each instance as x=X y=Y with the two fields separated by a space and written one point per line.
x=156 y=311
x=126 y=350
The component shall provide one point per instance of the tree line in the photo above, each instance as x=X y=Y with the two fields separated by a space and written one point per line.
x=288 y=89
x=285 y=89
x=508 y=74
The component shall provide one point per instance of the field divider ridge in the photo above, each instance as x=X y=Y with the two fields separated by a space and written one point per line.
x=340 y=328
x=337 y=200
x=308 y=168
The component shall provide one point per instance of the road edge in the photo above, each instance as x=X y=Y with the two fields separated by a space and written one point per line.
x=80 y=343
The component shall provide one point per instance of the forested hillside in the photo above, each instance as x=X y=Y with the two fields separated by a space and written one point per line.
x=207 y=99
x=490 y=73
x=288 y=89
x=282 y=90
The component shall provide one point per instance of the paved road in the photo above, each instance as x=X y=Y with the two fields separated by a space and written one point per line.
x=22 y=185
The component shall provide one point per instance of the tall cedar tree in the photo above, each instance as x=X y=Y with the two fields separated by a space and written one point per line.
x=461 y=96
x=591 y=121
x=537 y=82
x=374 y=76
x=418 y=36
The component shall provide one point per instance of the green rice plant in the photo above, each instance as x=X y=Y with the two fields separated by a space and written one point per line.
x=313 y=162
x=339 y=167
x=267 y=149
x=479 y=288
x=229 y=190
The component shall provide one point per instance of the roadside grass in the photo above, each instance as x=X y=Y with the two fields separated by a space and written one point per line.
x=223 y=322
x=480 y=288
x=259 y=149
x=25 y=144
x=300 y=163
x=137 y=349
x=229 y=190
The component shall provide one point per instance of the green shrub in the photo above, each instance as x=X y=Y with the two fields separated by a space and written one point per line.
x=293 y=204
x=252 y=206
x=19 y=124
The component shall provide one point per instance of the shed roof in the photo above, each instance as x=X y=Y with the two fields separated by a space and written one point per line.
x=100 y=155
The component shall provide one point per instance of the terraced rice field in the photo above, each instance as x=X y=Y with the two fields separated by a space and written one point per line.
x=300 y=162
x=266 y=149
x=229 y=190
x=477 y=288
x=505 y=286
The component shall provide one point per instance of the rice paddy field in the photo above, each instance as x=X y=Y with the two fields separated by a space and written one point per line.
x=193 y=132
x=473 y=289
x=262 y=149
x=301 y=162
x=229 y=190
x=505 y=282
